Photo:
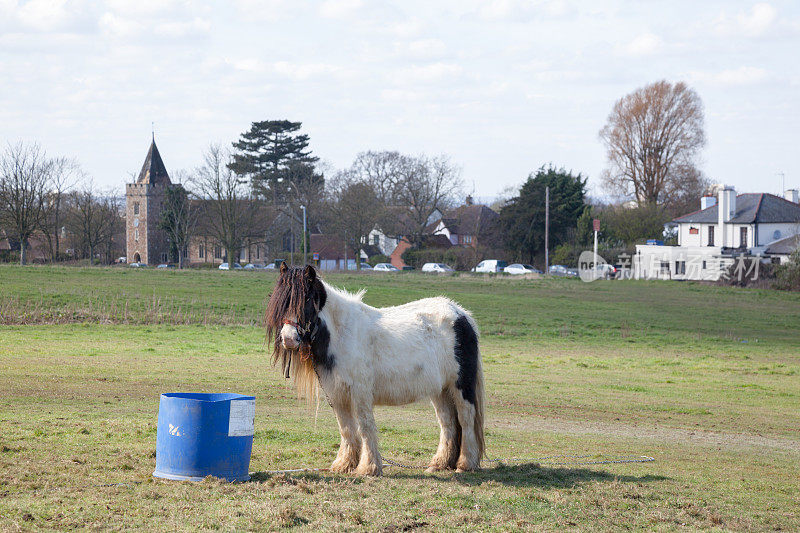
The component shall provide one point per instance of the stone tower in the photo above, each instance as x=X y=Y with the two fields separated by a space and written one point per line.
x=144 y=201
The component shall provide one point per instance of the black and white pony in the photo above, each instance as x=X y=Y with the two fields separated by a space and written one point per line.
x=363 y=356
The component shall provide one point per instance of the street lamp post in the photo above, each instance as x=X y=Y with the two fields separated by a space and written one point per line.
x=305 y=247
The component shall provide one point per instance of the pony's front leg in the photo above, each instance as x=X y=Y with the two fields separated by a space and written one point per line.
x=349 y=449
x=371 y=463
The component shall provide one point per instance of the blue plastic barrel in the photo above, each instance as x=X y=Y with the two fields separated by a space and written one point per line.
x=203 y=435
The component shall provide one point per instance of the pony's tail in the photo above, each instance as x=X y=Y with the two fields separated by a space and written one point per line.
x=479 y=409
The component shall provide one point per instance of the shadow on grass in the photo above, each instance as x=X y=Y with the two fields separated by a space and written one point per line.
x=516 y=475
x=536 y=475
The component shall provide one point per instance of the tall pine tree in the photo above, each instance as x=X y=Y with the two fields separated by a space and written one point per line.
x=265 y=153
x=523 y=217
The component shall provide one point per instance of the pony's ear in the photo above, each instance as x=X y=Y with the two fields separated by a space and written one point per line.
x=284 y=268
x=310 y=274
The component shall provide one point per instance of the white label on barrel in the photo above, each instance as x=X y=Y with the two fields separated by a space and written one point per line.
x=242 y=419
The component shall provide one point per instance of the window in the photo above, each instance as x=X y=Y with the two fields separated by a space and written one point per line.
x=680 y=267
x=711 y=235
x=258 y=252
x=136 y=234
x=217 y=252
x=467 y=239
x=376 y=239
x=201 y=251
x=704 y=265
x=742 y=237
x=163 y=258
x=135 y=208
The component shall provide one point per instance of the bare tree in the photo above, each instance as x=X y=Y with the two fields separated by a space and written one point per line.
x=93 y=218
x=382 y=170
x=356 y=208
x=64 y=176
x=178 y=220
x=24 y=177
x=653 y=137
x=425 y=185
x=229 y=211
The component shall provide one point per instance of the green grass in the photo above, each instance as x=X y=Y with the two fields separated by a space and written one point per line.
x=705 y=379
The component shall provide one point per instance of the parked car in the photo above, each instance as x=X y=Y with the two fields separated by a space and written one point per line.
x=225 y=266
x=407 y=267
x=521 y=268
x=270 y=266
x=385 y=267
x=437 y=267
x=605 y=271
x=490 y=265
x=366 y=266
x=165 y=265
x=254 y=266
x=121 y=260
x=137 y=265
x=563 y=271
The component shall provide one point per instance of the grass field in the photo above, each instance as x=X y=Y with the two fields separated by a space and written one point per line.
x=705 y=379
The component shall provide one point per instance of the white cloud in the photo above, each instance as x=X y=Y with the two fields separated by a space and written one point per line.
x=643 y=45
x=421 y=48
x=430 y=73
x=743 y=75
x=340 y=8
x=301 y=72
x=179 y=29
x=753 y=23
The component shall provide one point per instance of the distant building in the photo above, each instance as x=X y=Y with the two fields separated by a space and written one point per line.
x=144 y=200
x=726 y=226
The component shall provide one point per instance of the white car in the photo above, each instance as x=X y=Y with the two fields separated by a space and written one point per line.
x=490 y=265
x=520 y=268
x=225 y=266
x=436 y=267
x=385 y=267
x=137 y=265
x=254 y=266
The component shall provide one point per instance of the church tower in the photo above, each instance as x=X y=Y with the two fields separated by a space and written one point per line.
x=144 y=200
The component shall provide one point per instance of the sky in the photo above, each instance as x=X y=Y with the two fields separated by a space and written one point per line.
x=501 y=86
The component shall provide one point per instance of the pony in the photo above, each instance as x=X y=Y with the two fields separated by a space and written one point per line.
x=362 y=356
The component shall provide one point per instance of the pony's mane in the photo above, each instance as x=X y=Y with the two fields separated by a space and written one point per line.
x=352 y=297
x=288 y=299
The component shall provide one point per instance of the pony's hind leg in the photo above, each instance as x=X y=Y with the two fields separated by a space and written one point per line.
x=350 y=447
x=450 y=434
x=470 y=456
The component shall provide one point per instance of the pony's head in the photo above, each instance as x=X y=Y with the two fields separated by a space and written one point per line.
x=292 y=318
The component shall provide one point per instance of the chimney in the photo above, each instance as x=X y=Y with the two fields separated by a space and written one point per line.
x=727 y=203
x=707 y=201
x=469 y=199
x=792 y=195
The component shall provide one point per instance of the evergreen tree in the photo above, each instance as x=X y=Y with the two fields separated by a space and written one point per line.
x=523 y=217
x=265 y=152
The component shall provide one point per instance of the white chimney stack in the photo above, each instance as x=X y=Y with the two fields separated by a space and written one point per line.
x=727 y=203
x=707 y=201
x=792 y=195
x=726 y=206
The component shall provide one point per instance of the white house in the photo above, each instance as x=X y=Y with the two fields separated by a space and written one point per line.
x=725 y=227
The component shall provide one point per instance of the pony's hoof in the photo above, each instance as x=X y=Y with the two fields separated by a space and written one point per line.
x=464 y=466
x=436 y=466
x=368 y=469
x=341 y=467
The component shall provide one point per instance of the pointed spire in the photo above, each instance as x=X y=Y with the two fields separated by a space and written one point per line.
x=153 y=170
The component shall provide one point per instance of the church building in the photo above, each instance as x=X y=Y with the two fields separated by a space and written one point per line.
x=145 y=242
